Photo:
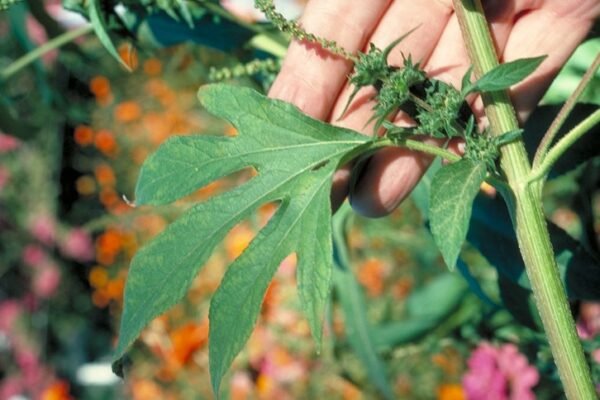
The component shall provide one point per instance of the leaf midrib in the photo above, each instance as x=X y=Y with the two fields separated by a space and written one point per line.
x=283 y=237
x=247 y=154
x=260 y=199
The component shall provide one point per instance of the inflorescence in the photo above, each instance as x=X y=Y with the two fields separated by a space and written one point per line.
x=438 y=109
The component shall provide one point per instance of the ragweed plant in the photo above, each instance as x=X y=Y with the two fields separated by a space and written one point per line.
x=295 y=158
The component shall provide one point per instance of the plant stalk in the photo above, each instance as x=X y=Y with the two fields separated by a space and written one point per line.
x=564 y=113
x=527 y=214
x=585 y=126
x=47 y=47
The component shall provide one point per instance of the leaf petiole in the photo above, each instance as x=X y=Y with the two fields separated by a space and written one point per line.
x=564 y=113
x=37 y=53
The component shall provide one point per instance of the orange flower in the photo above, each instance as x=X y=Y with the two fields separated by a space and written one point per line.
x=155 y=87
x=145 y=390
x=161 y=91
x=128 y=111
x=57 y=391
x=449 y=361
x=350 y=392
x=84 y=135
x=270 y=300
x=186 y=340
x=266 y=211
x=105 y=175
x=208 y=190
x=85 y=185
x=230 y=130
x=450 y=392
x=129 y=243
x=237 y=240
x=152 y=67
x=115 y=288
x=149 y=225
x=106 y=143
x=139 y=154
x=98 y=277
x=100 y=87
x=109 y=242
x=109 y=198
x=100 y=298
x=371 y=275
x=402 y=288
x=265 y=385
x=129 y=55
x=105 y=258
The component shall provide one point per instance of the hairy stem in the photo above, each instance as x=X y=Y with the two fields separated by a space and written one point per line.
x=542 y=170
x=53 y=44
x=527 y=214
x=428 y=149
x=564 y=113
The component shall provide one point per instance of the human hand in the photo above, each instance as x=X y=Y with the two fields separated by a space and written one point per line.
x=317 y=82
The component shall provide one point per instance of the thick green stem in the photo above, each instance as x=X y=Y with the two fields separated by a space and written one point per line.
x=527 y=213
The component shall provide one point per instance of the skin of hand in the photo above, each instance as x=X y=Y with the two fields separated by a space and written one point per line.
x=317 y=82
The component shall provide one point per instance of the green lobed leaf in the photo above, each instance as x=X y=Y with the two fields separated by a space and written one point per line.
x=295 y=157
x=453 y=190
x=97 y=20
x=505 y=75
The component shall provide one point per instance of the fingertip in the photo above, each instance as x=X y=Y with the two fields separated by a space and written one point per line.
x=387 y=180
x=339 y=187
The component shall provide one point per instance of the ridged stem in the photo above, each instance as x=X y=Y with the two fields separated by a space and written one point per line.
x=528 y=218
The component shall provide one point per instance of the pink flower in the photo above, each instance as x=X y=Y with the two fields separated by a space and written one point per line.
x=10 y=310
x=8 y=143
x=78 y=245
x=34 y=374
x=46 y=281
x=11 y=387
x=34 y=255
x=499 y=373
x=43 y=228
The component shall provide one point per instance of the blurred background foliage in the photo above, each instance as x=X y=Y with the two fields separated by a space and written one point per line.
x=74 y=130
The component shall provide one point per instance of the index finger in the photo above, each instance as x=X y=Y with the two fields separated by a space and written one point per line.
x=311 y=78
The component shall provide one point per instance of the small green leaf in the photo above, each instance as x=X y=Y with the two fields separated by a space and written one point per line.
x=295 y=157
x=505 y=75
x=99 y=24
x=453 y=190
x=466 y=85
x=508 y=137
